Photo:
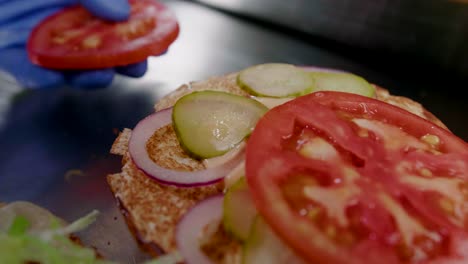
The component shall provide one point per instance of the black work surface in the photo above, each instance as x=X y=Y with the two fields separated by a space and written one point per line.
x=54 y=143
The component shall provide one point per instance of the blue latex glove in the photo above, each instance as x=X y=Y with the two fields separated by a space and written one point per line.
x=17 y=19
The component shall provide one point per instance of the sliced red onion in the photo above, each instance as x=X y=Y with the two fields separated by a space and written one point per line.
x=320 y=69
x=137 y=149
x=190 y=228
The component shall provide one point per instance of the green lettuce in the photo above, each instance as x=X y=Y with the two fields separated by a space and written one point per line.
x=51 y=246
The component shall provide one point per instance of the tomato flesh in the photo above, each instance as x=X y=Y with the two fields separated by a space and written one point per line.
x=75 y=39
x=346 y=179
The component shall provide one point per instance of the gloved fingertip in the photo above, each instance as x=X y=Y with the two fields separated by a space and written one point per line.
x=116 y=10
x=39 y=78
x=15 y=61
x=135 y=70
x=90 y=80
x=10 y=38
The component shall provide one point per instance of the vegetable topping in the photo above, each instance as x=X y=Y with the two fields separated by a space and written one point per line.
x=343 y=178
x=275 y=80
x=137 y=148
x=210 y=123
x=192 y=228
x=74 y=39
x=29 y=233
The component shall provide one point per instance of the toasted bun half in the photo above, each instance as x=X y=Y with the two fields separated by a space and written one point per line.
x=153 y=210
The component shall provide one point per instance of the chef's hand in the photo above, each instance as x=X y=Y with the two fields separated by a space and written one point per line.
x=17 y=19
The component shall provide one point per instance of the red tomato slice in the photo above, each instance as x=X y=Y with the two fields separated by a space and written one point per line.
x=343 y=178
x=75 y=39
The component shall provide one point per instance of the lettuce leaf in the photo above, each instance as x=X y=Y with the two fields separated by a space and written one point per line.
x=19 y=226
x=51 y=246
x=54 y=246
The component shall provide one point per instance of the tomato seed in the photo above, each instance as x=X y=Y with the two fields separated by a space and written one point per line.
x=91 y=42
x=425 y=172
x=135 y=29
x=330 y=230
x=432 y=140
x=363 y=133
x=447 y=205
x=63 y=37
x=314 y=213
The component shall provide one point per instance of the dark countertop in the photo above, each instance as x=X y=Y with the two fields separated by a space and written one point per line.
x=425 y=31
x=55 y=143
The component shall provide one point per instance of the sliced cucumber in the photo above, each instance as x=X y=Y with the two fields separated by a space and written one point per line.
x=239 y=210
x=275 y=80
x=263 y=246
x=271 y=102
x=210 y=123
x=342 y=82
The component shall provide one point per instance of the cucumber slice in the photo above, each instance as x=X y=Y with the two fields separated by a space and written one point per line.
x=210 y=123
x=275 y=80
x=263 y=246
x=342 y=82
x=239 y=210
x=272 y=102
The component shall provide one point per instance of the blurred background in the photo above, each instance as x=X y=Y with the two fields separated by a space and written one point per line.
x=54 y=143
x=433 y=33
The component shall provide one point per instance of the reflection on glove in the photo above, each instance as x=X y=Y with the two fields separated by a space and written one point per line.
x=17 y=19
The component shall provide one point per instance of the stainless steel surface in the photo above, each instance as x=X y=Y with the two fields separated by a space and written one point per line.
x=54 y=143
x=434 y=31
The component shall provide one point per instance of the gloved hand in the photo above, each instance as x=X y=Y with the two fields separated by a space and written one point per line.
x=18 y=18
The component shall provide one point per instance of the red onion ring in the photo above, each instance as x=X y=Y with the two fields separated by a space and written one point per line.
x=191 y=225
x=137 y=149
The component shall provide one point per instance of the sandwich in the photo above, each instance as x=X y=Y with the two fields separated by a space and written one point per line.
x=285 y=164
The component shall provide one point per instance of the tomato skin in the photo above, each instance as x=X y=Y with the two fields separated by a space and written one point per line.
x=268 y=165
x=152 y=27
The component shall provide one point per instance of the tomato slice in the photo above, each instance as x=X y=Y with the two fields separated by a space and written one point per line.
x=343 y=178
x=75 y=39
